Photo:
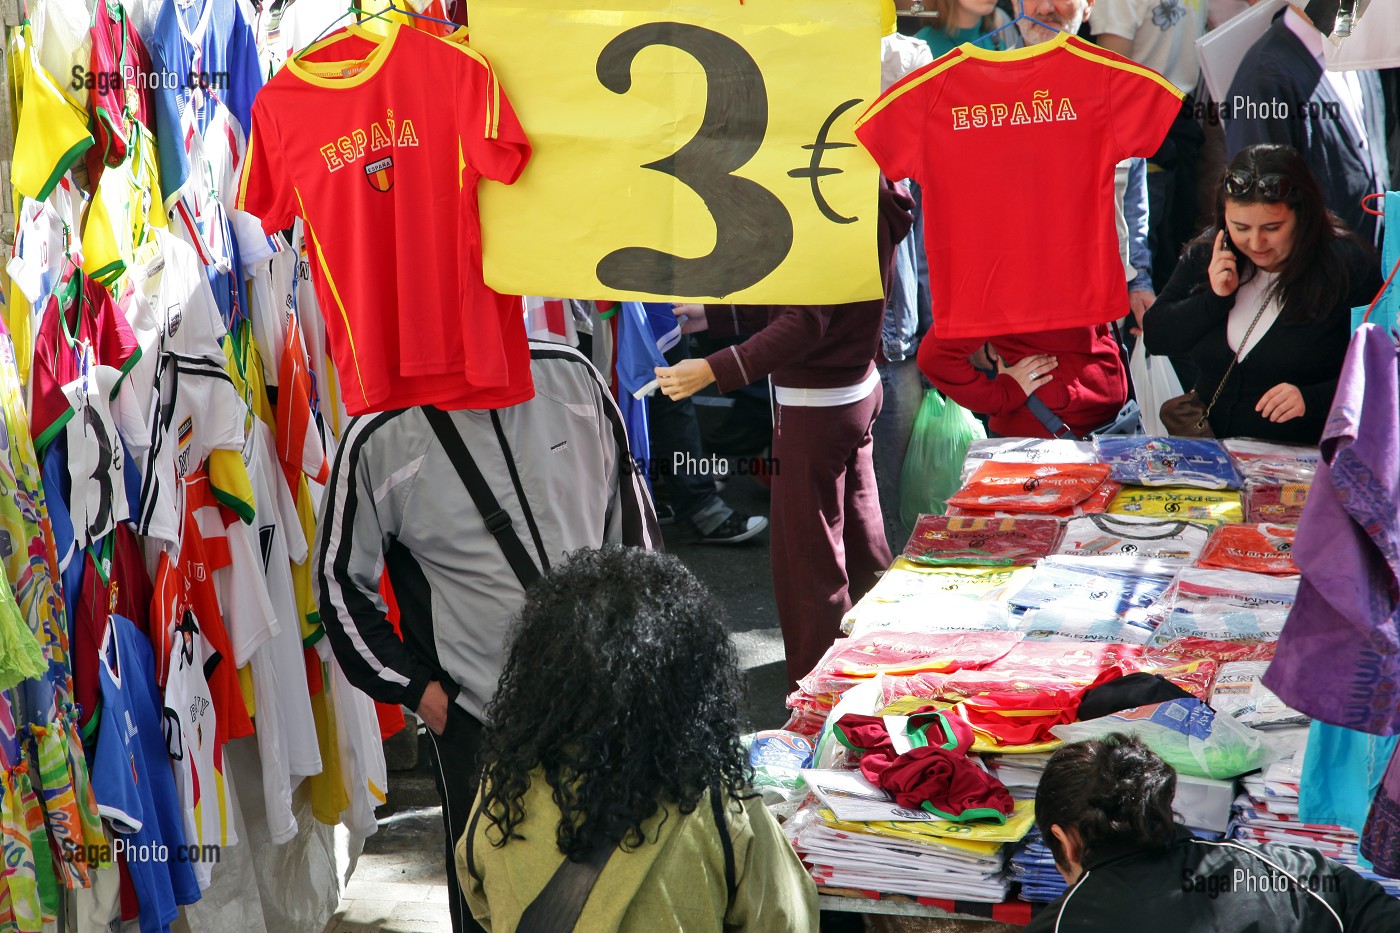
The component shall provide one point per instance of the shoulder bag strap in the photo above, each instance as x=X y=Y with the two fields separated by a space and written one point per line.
x=496 y=519
x=1053 y=422
x=557 y=908
x=1240 y=353
x=730 y=876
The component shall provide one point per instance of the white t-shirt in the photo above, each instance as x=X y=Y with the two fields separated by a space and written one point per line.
x=170 y=308
x=198 y=411
x=95 y=455
x=1372 y=43
x=900 y=55
x=270 y=299
x=196 y=757
x=1136 y=538
x=44 y=231
x=1163 y=33
x=260 y=607
x=361 y=753
x=1248 y=297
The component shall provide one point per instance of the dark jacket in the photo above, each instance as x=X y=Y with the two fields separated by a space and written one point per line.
x=811 y=346
x=1220 y=887
x=1190 y=318
x=1279 y=68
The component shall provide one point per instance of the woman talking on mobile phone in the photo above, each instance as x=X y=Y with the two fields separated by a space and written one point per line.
x=1262 y=301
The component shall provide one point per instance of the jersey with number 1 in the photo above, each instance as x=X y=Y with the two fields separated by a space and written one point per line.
x=380 y=154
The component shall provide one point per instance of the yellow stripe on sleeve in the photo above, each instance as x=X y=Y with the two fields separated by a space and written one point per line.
x=895 y=93
x=335 y=293
x=1093 y=54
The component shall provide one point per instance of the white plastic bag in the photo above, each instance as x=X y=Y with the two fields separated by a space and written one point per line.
x=1154 y=381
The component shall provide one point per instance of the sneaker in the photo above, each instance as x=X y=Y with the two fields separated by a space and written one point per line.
x=734 y=529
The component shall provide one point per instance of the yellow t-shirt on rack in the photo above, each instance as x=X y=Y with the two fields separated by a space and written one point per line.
x=51 y=129
x=124 y=209
x=51 y=135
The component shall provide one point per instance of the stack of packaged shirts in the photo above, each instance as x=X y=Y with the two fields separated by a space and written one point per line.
x=1034 y=867
x=1026 y=450
x=1062 y=490
x=1020 y=773
x=927 y=597
x=1277 y=478
x=933 y=859
x=1224 y=606
x=1267 y=811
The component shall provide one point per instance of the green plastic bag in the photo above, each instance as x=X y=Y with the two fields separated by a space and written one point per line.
x=932 y=471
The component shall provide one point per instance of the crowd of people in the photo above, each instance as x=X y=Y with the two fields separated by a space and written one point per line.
x=582 y=693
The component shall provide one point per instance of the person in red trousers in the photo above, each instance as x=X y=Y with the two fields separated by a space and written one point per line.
x=828 y=538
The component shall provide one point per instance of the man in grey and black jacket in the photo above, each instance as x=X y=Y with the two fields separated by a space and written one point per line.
x=463 y=510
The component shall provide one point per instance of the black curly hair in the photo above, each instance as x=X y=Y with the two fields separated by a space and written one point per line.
x=623 y=687
x=1115 y=792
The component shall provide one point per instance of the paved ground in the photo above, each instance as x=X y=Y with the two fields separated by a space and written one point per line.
x=398 y=885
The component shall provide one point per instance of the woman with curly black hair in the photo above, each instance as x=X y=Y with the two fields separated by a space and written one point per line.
x=1105 y=810
x=613 y=754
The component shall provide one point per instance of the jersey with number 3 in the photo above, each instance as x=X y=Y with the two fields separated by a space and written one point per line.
x=380 y=155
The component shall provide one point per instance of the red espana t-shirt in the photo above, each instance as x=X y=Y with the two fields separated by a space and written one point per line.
x=380 y=155
x=1015 y=153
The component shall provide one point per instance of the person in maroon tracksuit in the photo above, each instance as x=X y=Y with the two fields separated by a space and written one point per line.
x=828 y=539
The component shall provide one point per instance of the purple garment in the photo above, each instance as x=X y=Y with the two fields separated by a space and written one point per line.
x=1338 y=658
x=1380 y=840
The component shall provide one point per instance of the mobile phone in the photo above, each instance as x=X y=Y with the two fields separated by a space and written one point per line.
x=1229 y=246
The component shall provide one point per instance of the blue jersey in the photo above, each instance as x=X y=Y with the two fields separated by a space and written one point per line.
x=644 y=333
x=132 y=779
x=212 y=42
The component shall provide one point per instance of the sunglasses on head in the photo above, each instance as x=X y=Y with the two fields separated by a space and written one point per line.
x=1238 y=183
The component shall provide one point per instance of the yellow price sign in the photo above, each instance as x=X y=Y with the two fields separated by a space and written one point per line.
x=689 y=151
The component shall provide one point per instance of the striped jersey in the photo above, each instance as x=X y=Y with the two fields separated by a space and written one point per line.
x=395 y=502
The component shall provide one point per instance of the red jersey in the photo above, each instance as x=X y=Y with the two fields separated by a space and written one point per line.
x=380 y=156
x=1015 y=153
x=80 y=311
x=114 y=580
x=185 y=583
x=120 y=73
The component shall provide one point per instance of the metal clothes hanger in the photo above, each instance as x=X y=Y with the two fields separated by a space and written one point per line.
x=357 y=12
x=1020 y=5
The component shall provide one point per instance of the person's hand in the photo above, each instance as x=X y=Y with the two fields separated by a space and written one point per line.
x=1138 y=302
x=1283 y=402
x=692 y=318
x=432 y=708
x=685 y=378
x=1030 y=373
x=1223 y=272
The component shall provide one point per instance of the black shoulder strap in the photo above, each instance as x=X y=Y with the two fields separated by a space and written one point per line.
x=730 y=876
x=557 y=908
x=496 y=519
x=471 y=844
x=1053 y=422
